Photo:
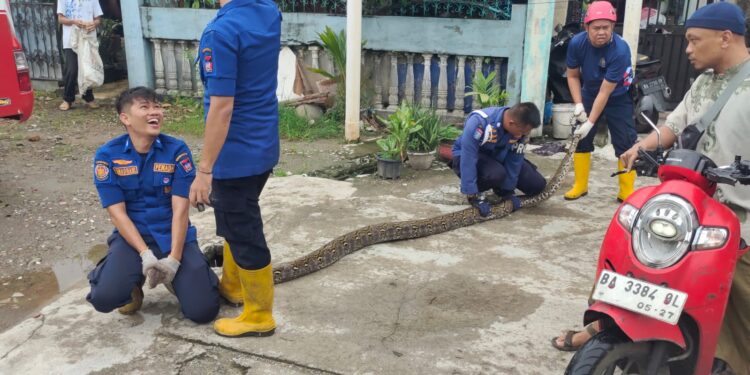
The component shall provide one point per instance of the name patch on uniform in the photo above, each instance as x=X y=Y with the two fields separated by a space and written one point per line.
x=164 y=167
x=126 y=171
x=101 y=171
x=208 y=64
x=122 y=162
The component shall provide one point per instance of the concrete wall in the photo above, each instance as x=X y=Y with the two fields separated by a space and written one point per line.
x=489 y=38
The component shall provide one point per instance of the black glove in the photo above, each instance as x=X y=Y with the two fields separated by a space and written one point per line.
x=481 y=205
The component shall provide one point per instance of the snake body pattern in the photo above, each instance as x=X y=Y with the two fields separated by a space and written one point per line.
x=360 y=238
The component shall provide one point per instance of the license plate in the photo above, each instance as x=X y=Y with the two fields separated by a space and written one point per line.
x=654 y=301
x=653 y=85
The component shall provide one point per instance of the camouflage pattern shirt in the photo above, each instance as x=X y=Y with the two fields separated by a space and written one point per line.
x=727 y=136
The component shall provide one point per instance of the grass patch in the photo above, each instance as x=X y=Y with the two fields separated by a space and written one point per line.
x=184 y=116
x=293 y=127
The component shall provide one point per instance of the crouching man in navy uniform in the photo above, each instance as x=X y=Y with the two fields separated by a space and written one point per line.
x=143 y=179
x=489 y=154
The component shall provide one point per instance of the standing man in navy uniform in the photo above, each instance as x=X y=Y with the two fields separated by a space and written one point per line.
x=599 y=76
x=143 y=179
x=238 y=55
x=489 y=154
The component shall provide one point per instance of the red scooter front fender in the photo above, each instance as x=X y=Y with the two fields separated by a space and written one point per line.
x=636 y=326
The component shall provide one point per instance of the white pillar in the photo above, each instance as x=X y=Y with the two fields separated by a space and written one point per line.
x=442 y=84
x=159 y=67
x=171 y=68
x=353 y=68
x=409 y=90
x=460 y=84
x=315 y=58
x=377 y=76
x=426 y=94
x=186 y=82
x=631 y=26
x=477 y=69
x=197 y=73
x=393 y=90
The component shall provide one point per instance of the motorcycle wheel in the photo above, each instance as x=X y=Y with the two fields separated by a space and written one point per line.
x=610 y=353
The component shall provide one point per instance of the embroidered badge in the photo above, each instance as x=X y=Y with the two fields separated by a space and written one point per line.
x=126 y=171
x=180 y=156
x=165 y=180
x=122 y=162
x=490 y=135
x=164 y=167
x=186 y=165
x=208 y=64
x=101 y=171
x=478 y=134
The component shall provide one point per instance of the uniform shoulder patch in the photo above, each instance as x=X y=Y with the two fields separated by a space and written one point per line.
x=478 y=133
x=122 y=162
x=208 y=63
x=184 y=161
x=101 y=171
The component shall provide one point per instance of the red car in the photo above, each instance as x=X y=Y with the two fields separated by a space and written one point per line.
x=16 y=94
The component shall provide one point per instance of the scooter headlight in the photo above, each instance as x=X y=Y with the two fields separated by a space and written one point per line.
x=663 y=230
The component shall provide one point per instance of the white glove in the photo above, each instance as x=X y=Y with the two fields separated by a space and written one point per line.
x=149 y=261
x=579 y=113
x=168 y=266
x=583 y=129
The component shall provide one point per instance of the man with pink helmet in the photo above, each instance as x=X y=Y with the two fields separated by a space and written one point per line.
x=599 y=76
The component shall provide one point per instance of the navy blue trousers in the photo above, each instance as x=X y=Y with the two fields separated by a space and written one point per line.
x=113 y=279
x=491 y=174
x=238 y=220
x=619 y=114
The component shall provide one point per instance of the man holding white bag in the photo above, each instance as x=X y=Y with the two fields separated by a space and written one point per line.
x=84 y=15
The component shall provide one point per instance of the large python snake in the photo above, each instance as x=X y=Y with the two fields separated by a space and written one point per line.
x=360 y=238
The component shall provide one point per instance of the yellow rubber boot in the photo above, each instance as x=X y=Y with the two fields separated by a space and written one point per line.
x=229 y=285
x=136 y=301
x=627 y=181
x=256 y=318
x=581 y=168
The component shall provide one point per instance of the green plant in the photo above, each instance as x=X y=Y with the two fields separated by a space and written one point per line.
x=487 y=93
x=401 y=124
x=389 y=149
x=427 y=138
x=295 y=127
x=335 y=45
x=448 y=133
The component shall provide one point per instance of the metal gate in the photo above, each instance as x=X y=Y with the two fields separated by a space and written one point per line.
x=36 y=26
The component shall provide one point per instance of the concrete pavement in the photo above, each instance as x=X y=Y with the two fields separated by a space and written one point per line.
x=485 y=299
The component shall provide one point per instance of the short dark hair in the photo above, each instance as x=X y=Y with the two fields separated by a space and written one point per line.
x=127 y=97
x=527 y=113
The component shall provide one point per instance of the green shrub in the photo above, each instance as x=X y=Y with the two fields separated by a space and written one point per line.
x=486 y=92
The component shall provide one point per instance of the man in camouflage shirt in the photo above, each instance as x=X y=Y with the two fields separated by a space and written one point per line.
x=716 y=44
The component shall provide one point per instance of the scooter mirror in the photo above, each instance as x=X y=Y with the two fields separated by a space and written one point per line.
x=656 y=129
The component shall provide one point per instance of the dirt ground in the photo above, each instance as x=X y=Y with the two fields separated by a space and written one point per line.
x=52 y=228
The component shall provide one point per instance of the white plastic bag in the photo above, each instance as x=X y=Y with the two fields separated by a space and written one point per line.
x=90 y=66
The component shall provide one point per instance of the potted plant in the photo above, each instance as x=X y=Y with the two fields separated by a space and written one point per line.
x=389 y=158
x=423 y=142
x=401 y=124
x=486 y=92
x=447 y=135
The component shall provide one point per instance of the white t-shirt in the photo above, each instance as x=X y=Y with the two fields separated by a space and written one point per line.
x=85 y=10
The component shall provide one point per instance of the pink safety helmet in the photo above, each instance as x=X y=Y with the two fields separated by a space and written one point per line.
x=600 y=10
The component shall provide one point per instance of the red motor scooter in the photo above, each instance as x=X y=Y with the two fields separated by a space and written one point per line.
x=665 y=270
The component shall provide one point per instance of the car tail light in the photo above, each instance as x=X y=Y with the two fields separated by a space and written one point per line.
x=22 y=68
